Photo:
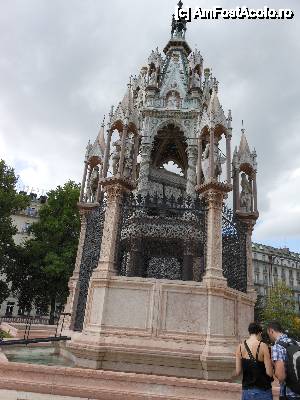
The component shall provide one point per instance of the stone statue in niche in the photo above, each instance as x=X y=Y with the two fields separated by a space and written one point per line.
x=92 y=185
x=218 y=161
x=205 y=162
x=128 y=159
x=153 y=78
x=196 y=80
x=172 y=101
x=116 y=156
x=246 y=194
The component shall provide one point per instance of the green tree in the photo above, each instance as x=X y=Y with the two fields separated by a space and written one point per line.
x=259 y=307
x=10 y=202
x=280 y=305
x=52 y=250
x=4 y=291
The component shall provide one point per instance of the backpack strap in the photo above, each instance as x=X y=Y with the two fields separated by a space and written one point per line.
x=257 y=351
x=249 y=352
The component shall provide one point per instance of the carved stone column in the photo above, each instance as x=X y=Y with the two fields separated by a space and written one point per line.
x=107 y=153
x=228 y=158
x=214 y=193
x=83 y=181
x=236 y=190
x=123 y=145
x=106 y=265
x=249 y=219
x=135 y=155
x=211 y=153
x=255 y=193
x=144 y=168
x=191 y=172
x=214 y=237
x=199 y=158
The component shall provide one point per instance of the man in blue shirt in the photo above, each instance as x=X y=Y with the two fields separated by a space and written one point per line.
x=279 y=358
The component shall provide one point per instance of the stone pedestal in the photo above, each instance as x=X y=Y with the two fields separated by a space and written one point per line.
x=164 y=327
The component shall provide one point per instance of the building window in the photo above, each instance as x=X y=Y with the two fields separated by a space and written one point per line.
x=265 y=278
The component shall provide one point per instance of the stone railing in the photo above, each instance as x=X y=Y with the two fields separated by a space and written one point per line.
x=24 y=319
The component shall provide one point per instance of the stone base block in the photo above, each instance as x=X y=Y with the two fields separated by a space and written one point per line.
x=171 y=328
x=39 y=382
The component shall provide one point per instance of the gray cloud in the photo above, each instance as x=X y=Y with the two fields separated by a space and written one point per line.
x=62 y=64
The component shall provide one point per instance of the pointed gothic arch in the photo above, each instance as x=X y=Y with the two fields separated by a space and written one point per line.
x=169 y=144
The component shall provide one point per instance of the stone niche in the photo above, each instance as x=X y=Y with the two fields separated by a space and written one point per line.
x=173 y=328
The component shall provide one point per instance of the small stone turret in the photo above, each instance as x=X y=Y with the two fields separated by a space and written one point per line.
x=244 y=169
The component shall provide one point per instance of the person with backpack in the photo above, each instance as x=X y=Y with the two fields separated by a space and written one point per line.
x=286 y=359
x=254 y=362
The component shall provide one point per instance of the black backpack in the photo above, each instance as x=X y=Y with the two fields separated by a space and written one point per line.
x=292 y=365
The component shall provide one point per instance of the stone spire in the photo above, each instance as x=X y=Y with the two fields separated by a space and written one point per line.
x=215 y=110
x=244 y=155
x=101 y=139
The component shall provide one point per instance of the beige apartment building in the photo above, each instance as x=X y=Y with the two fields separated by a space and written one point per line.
x=22 y=220
x=272 y=265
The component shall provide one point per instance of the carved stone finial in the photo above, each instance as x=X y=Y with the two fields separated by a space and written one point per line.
x=243 y=129
x=178 y=27
x=215 y=85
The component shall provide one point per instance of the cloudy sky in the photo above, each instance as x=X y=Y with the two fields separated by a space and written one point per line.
x=63 y=63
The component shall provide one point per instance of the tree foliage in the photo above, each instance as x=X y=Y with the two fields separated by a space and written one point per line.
x=280 y=305
x=50 y=254
x=10 y=202
x=4 y=291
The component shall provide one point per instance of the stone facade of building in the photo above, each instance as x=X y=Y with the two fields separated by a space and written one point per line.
x=272 y=265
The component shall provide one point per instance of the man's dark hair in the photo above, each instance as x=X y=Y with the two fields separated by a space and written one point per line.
x=275 y=325
x=254 y=328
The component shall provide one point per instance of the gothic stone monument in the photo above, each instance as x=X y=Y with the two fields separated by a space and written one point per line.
x=163 y=276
